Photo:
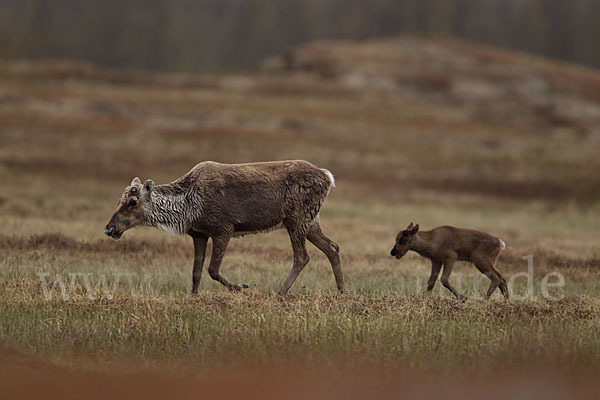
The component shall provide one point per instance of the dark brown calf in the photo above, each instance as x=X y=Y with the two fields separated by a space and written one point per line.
x=445 y=245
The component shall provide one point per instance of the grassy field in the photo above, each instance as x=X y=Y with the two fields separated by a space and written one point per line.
x=72 y=137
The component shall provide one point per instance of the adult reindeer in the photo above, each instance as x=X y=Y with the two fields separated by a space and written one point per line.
x=221 y=201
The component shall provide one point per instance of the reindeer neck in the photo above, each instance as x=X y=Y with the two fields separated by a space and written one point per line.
x=422 y=243
x=171 y=209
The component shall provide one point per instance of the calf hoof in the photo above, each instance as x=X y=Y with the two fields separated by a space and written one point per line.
x=244 y=286
x=461 y=297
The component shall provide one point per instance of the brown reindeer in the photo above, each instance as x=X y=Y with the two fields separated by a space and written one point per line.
x=445 y=245
x=221 y=201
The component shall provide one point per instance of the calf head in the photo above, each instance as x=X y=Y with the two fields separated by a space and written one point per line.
x=130 y=210
x=404 y=241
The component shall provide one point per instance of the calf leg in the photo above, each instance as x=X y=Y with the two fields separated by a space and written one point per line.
x=435 y=271
x=448 y=265
x=331 y=250
x=487 y=268
x=503 y=286
x=199 y=255
x=300 y=260
x=501 y=283
x=219 y=247
x=495 y=281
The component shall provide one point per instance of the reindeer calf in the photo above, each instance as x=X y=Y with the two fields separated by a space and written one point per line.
x=445 y=245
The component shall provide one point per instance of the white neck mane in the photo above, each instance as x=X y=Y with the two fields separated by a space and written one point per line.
x=172 y=213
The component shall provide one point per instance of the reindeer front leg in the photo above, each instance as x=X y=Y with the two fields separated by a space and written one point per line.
x=219 y=247
x=200 y=241
x=435 y=271
x=448 y=265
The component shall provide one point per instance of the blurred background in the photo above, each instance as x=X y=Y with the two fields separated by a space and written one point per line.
x=473 y=113
x=433 y=83
x=235 y=35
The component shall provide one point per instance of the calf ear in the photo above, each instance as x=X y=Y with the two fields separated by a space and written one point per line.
x=409 y=227
x=415 y=229
x=148 y=185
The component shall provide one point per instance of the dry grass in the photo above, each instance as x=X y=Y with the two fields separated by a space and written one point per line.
x=71 y=137
x=349 y=332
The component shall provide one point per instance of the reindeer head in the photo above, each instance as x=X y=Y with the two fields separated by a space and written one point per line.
x=404 y=241
x=130 y=210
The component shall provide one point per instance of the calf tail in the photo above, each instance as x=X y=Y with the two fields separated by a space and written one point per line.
x=502 y=244
x=502 y=247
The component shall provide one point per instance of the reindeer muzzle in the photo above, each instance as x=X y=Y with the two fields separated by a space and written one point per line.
x=113 y=232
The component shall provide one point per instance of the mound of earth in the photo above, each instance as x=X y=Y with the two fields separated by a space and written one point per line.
x=495 y=84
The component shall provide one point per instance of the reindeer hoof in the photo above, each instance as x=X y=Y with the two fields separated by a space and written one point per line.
x=461 y=297
x=244 y=286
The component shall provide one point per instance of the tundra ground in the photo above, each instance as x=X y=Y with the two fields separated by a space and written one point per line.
x=72 y=137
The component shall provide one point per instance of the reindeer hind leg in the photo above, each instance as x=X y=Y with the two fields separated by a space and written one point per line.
x=301 y=258
x=331 y=250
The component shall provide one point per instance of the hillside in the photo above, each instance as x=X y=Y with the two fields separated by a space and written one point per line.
x=440 y=115
x=537 y=95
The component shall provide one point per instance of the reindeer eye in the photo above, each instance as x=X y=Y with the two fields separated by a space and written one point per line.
x=132 y=203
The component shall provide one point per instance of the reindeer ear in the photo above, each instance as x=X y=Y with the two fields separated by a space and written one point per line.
x=409 y=227
x=415 y=229
x=136 y=182
x=148 y=185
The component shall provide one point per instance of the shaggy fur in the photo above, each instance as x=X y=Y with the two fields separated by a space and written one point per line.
x=220 y=201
